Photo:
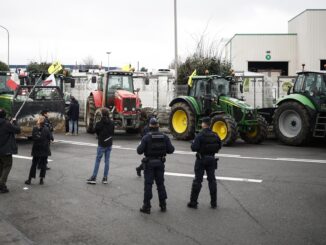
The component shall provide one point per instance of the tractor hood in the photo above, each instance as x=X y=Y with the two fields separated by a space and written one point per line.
x=235 y=102
x=125 y=94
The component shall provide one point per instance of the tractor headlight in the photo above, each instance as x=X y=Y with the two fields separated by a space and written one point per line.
x=125 y=109
x=133 y=109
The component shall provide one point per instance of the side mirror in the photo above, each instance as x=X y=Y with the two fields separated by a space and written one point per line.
x=241 y=88
x=72 y=83
x=137 y=90
x=94 y=79
x=289 y=90
x=146 y=81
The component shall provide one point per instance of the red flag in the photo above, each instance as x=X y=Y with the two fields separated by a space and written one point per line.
x=12 y=85
x=50 y=81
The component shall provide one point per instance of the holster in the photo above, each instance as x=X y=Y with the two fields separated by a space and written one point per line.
x=216 y=162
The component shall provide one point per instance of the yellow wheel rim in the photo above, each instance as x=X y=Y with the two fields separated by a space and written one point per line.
x=253 y=133
x=180 y=121
x=221 y=129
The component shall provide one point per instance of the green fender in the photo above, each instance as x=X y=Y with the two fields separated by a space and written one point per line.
x=299 y=98
x=191 y=101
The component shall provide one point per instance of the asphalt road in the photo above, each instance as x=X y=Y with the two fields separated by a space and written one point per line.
x=267 y=194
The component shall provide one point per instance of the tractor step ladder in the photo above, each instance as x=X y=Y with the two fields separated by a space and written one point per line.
x=320 y=126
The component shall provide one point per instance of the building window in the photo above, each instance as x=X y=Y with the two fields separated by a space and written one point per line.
x=322 y=65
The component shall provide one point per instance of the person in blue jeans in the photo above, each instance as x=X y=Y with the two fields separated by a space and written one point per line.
x=104 y=130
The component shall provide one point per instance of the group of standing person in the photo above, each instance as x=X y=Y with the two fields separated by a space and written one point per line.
x=155 y=145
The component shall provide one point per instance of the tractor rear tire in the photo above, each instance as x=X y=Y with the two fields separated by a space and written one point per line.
x=182 y=121
x=292 y=123
x=258 y=134
x=90 y=115
x=226 y=128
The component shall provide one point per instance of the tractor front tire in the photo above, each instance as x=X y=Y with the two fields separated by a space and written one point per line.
x=258 y=133
x=226 y=128
x=90 y=115
x=292 y=123
x=182 y=121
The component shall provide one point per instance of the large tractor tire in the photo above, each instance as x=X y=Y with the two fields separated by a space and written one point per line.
x=182 y=121
x=226 y=128
x=90 y=115
x=258 y=133
x=292 y=123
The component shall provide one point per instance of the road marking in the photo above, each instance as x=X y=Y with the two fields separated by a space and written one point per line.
x=28 y=158
x=217 y=177
x=283 y=159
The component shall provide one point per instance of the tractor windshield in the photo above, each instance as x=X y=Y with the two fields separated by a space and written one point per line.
x=220 y=86
x=120 y=82
x=313 y=83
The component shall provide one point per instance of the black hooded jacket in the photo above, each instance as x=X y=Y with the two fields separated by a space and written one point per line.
x=7 y=137
x=104 y=130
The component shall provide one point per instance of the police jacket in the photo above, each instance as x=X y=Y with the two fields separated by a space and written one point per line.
x=104 y=130
x=206 y=143
x=41 y=141
x=155 y=144
x=7 y=137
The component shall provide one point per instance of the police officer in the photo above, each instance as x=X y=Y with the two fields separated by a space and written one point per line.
x=155 y=145
x=143 y=133
x=206 y=144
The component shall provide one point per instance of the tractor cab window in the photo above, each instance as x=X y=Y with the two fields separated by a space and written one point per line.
x=120 y=82
x=220 y=86
x=299 y=83
x=314 y=84
x=199 y=88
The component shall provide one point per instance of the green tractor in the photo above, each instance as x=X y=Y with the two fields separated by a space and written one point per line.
x=210 y=96
x=301 y=115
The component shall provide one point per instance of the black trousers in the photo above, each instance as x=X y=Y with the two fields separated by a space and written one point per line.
x=154 y=170
x=202 y=166
x=41 y=163
x=5 y=167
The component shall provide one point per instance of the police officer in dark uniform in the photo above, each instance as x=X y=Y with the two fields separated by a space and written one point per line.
x=143 y=133
x=206 y=144
x=155 y=145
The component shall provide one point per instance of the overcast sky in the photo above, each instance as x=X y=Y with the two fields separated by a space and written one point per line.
x=142 y=30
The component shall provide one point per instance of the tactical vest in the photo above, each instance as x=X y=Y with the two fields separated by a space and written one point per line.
x=156 y=146
x=210 y=144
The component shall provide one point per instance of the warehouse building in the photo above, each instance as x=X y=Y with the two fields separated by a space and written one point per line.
x=282 y=53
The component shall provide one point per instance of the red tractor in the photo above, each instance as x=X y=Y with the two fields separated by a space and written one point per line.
x=115 y=91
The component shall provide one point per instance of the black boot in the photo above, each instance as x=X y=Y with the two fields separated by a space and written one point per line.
x=146 y=208
x=3 y=189
x=28 y=182
x=194 y=195
x=41 y=181
x=163 y=206
x=138 y=171
x=214 y=200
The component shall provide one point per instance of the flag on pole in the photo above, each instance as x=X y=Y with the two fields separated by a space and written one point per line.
x=55 y=68
x=194 y=73
x=50 y=81
x=12 y=85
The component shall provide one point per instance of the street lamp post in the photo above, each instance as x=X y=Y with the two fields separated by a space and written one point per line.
x=175 y=40
x=108 y=53
x=8 y=41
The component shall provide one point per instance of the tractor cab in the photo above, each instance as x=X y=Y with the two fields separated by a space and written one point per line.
x=313 y=86
x=207 y=90
x=117 y=85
